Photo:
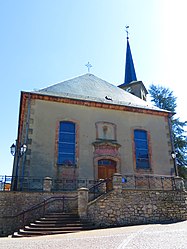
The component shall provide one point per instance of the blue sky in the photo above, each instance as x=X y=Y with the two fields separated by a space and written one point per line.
x=47 y=41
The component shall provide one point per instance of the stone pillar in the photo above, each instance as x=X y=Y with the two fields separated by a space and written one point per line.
x=117 y=183
x=82 y=202
x=102 y=187
x=47 y=184
x=179 y=183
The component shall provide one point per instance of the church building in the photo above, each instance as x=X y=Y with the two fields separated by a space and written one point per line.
x=86 y=128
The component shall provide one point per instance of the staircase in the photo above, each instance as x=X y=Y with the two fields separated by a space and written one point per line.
x=54 y=223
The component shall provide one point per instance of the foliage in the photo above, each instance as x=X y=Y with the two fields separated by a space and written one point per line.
x=183 y=171
x=180 y=141
x=163 y=98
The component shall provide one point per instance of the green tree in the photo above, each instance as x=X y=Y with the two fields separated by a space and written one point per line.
x=163 y=98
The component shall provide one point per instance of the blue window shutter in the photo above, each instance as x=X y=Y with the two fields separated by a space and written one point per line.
x=66 y=143
x=141 y=149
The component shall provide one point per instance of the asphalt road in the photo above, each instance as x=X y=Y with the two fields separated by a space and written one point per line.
x=168 y=236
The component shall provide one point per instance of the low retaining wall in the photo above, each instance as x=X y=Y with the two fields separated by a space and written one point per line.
x=117 y=208
x=134 y=206
x=138 y=207
x=13 y=203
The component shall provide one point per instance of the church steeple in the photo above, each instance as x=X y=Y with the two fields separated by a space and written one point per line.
x=130 y=74
x=131 y=84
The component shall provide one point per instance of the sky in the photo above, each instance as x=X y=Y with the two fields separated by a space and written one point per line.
x=44 y=42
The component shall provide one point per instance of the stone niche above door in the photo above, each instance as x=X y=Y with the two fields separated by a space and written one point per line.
x=105 y=130
x=106 y=146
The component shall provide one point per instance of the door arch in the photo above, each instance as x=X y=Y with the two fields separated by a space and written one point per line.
x=106 y=169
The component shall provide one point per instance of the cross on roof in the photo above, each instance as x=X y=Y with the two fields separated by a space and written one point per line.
x=127 y=27
x=88 y=65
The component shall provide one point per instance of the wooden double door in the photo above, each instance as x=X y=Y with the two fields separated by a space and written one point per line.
x=106 y=169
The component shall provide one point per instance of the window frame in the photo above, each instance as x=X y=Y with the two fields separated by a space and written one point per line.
x=62 y=144
x=139 y=161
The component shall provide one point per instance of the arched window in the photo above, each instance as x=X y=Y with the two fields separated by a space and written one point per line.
x=66 y=143
x=141 y=149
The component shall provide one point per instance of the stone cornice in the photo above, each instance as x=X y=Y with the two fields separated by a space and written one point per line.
x=94 y=104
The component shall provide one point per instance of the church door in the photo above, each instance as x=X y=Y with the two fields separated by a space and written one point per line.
x=106 y=169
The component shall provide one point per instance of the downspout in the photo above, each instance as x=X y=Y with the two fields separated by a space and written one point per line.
x=172 y=142
x=26 y=137
x=14 y=182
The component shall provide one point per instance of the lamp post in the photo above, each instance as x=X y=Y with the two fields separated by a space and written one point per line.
x=17 y=150
x=173 y=155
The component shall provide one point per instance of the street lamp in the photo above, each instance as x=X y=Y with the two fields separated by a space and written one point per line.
x=13 y=149
x=17 y=151
x=173 y=155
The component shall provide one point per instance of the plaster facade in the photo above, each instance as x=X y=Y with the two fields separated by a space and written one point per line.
x=38 y=127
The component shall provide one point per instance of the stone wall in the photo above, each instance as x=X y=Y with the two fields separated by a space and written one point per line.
x=118 y=207
x=128 y=207
x=13 y=203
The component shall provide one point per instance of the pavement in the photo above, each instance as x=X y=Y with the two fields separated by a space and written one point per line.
x=154 y=236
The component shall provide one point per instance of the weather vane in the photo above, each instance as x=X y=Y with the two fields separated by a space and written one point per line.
x=88 y=65
x=127 y=31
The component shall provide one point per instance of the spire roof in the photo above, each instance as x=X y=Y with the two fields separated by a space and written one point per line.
x=130 y=74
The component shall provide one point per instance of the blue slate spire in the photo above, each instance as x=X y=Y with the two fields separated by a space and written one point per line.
x=130 y=74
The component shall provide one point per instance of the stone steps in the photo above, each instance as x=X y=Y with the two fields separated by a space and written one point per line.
x=54 y=223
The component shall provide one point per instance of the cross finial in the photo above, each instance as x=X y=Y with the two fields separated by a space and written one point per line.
x=127 y=31
x=88 y=65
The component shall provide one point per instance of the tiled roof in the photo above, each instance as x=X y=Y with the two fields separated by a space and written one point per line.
x=89 y=87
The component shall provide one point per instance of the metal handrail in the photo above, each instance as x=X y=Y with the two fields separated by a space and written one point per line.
x=35 y=184
x=95 y=188
x=54 y=198
x=97 y=184
x=149 y=182
x=160 y=180
x=40 y=205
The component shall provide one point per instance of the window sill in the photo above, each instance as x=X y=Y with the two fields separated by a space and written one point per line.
x=143 y=170
x=66 y=166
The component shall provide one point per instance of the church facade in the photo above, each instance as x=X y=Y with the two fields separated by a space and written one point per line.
x=87 y=128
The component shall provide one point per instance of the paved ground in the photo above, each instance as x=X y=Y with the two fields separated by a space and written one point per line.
x=170 y=236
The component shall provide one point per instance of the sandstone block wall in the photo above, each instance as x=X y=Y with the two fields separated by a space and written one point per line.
x=117 y=208
x=13 y=203
x=138 y=207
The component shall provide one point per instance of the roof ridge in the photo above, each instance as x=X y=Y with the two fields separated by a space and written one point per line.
x=64 y=81
x=90 y=87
